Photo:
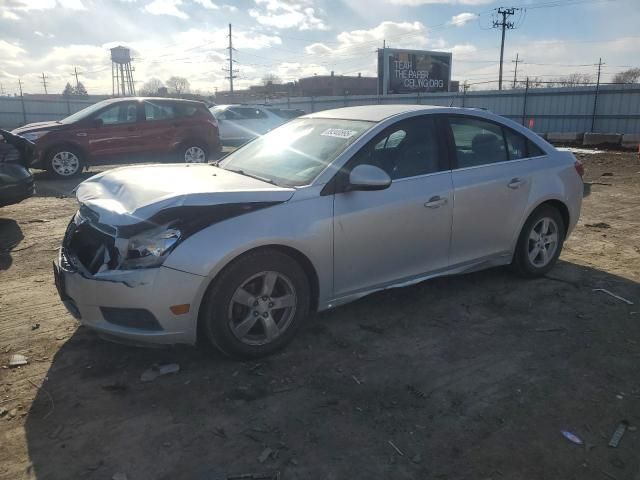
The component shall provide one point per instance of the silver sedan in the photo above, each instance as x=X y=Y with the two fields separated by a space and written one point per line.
x=319 y=212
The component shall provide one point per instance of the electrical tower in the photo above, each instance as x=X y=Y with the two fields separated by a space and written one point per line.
x=505 y=25
x=75 y=73
x=44 y=83
x=121 y=72
x=230 y=70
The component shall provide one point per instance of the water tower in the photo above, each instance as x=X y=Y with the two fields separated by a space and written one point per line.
x=121 y=72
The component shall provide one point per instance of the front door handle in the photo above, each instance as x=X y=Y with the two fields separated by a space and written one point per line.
x=435 y=202
x=516 y=183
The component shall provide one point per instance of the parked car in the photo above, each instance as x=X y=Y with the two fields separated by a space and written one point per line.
x=240 y=123
x=124 y=126
x=316 y=213
x=286 y=113
x=16 y=181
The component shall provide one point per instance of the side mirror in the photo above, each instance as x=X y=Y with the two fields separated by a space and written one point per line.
x=98 y=122
x=368 y=177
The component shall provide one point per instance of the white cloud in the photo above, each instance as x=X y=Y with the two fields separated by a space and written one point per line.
x=10 y=50
x=208 y=4
x=230 y=8
x=298 y=14
x=462 y=19
x=39 y=34
x=72 y=4
x=166 y=7
x=417 y=3
x=8 y=15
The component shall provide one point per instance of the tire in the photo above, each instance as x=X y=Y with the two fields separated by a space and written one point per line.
x=237 y=316
x=65 y=162
x=534 y=254
x=193 y=152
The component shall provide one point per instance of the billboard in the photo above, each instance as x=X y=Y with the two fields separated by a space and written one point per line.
x=412 y=71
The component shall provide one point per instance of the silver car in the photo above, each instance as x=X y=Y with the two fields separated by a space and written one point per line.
x=319 y=212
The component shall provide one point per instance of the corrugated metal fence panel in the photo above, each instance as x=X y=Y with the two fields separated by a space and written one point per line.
x=549 y=109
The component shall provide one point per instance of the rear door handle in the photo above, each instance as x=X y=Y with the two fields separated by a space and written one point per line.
x=516 y=183
x=435 y=202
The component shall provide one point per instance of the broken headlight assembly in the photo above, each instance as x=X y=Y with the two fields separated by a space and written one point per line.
x=150 y=248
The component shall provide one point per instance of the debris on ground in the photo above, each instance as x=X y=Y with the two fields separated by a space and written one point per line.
x=622 y=299
x=35 y=326
x=400 y=452
x=159 y=370
x=355 y=379
x=264 y=456
x=16 y=360
x=597 y=225
x=617 y=435
x=415 y=392
x=573 y=438
x=116 y=387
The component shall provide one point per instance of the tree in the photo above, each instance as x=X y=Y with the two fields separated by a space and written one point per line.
x=573 y=80
x=271 y=79
x=80 y=90
x=68 y=90
x=628 y=76
x=178 y=85
x=151 y=87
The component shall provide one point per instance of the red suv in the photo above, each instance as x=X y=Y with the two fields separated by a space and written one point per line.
x=120 y=126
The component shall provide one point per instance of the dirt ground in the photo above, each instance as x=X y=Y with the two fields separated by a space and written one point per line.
x=469 y=377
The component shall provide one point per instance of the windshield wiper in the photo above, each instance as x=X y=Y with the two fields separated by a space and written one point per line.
x=257 y=177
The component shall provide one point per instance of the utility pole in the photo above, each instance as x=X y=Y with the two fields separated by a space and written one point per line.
x=1 y=90
x=595 y=98
x=231 y=60
x=75 y=72
x=44 y=83
x=505 y=13
x=515 y=73
x=24 y=110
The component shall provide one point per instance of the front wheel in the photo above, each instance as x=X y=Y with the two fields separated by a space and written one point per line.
x=64 y=162
x=192 y=152
x=256 y=305
x=540 y=242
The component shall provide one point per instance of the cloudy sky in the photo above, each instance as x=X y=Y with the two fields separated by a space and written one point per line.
x=294 y=38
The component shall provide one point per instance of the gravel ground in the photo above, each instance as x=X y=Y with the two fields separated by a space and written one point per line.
x=468 y=377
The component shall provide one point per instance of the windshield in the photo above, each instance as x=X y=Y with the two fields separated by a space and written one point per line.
x=84 y=113
x=295 y=153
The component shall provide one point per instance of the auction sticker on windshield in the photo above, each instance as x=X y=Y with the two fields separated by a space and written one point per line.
x=338 y=132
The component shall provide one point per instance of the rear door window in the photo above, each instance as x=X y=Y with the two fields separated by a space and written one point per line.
x=477 y=142
x=159 y=110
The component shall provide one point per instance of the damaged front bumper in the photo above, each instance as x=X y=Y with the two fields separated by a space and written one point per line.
x=131 y=305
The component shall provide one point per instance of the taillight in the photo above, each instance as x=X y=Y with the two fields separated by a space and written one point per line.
x=579 y=168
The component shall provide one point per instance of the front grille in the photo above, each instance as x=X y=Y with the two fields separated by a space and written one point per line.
x=91 y=247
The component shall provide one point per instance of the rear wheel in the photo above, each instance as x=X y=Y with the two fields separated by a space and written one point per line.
x=64 y=162
x=256 y=305
x=193 y=152
x=540 y=242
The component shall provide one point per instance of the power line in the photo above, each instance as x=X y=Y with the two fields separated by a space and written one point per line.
x=231 y=71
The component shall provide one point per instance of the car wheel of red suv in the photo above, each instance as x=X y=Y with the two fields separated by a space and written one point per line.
x=63 y=162
x=193 y=152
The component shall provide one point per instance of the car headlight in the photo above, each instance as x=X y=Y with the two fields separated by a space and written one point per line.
x=33 y=136
x=150 y=248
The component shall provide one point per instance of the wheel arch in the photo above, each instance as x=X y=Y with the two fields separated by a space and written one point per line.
x=299 y=257
x=67 y=144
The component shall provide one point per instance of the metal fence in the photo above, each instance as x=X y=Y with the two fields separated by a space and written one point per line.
x=603 y=108
x=17 y=111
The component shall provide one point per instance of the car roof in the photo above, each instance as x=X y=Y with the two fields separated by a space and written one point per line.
x=140 y=99
x=371 y=113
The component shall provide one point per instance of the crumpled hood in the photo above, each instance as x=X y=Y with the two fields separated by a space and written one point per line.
x=129 y=195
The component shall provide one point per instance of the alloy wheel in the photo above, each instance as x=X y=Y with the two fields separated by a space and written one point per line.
x=262 y=308
x=543 y=242
x=194 y=155
x=65 y=163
